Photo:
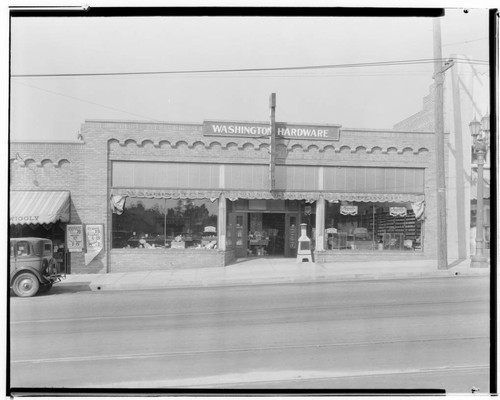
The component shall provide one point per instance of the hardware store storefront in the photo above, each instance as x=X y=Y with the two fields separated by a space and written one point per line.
x=202 y=195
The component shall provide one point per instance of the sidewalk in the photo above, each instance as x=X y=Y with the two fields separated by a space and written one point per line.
x=270 y=271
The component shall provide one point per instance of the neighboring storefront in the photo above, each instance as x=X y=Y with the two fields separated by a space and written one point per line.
x=42 y=214
x=150 y=196
x=486 y=211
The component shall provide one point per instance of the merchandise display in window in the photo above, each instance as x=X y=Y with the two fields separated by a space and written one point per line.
x=372 y=226
x=165 y=223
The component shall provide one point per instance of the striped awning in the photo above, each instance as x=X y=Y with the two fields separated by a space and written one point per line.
x=38 y=207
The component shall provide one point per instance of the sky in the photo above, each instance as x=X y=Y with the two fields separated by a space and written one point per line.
x=53 y=108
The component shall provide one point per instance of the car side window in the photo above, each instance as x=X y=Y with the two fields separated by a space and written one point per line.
x=22 y=249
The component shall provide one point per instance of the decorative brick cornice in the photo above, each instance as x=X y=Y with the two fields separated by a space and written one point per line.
x=246 y=146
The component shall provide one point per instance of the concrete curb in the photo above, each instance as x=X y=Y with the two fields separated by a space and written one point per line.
x=107 y=284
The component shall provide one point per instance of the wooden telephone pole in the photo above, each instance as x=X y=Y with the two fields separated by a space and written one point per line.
x=272 y=142
x=442 y=244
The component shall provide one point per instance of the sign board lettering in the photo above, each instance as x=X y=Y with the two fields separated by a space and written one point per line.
x=289 y=131
x=26 y=218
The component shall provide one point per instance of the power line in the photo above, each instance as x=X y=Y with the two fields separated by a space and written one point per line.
x=467 y=41
x=210 y=71
x=88 y=102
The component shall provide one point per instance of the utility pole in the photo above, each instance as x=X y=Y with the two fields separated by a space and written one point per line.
x=442 y=243
x=272 y=142
x=462 y=206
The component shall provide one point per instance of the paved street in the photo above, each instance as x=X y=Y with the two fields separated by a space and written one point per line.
x=420 y=333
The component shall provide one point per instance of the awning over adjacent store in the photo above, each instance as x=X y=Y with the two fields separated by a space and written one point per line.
x=39 y=207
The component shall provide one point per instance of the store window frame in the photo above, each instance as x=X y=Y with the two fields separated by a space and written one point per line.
x=165 y=226
x=372 y=229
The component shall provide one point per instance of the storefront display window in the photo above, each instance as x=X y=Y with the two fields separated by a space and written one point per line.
x=371 y=227
x=166 y=223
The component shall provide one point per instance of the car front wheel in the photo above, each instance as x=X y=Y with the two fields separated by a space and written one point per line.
x=26 y=285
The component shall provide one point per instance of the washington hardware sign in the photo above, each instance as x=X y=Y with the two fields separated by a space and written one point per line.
x=314 y=132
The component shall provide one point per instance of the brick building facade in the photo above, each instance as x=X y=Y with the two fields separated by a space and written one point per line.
x=179 y=186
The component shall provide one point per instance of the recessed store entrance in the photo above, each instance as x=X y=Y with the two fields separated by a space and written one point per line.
x=266 y=235
x=264 y=232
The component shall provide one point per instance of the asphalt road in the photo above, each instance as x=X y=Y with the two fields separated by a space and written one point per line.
x=395 y=334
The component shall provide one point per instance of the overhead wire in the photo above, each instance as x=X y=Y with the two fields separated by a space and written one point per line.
x=88 y=102
x=296 y=68
x=466 y=41
x=247 y=70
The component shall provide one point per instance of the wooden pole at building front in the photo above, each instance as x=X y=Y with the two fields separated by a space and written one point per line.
x=272 y=143
x=222 y=222
x=442 y=251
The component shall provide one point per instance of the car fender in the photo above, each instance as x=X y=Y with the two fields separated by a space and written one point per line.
x=27 y=269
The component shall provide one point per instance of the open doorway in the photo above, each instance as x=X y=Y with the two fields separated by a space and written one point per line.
x=266 y=234
x=274 y=225
x=265 y=228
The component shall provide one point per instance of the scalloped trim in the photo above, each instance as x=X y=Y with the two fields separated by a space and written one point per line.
x=258 y=146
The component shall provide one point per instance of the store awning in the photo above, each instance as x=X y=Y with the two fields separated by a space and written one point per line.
x=38 y=207
x=267 y=195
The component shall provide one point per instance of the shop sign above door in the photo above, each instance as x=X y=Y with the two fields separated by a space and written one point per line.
x=289 y=131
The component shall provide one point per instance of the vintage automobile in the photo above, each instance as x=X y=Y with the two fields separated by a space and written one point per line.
x=33 y=268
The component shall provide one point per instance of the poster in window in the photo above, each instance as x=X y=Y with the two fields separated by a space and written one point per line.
x=74 y=238
x=94 y=237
